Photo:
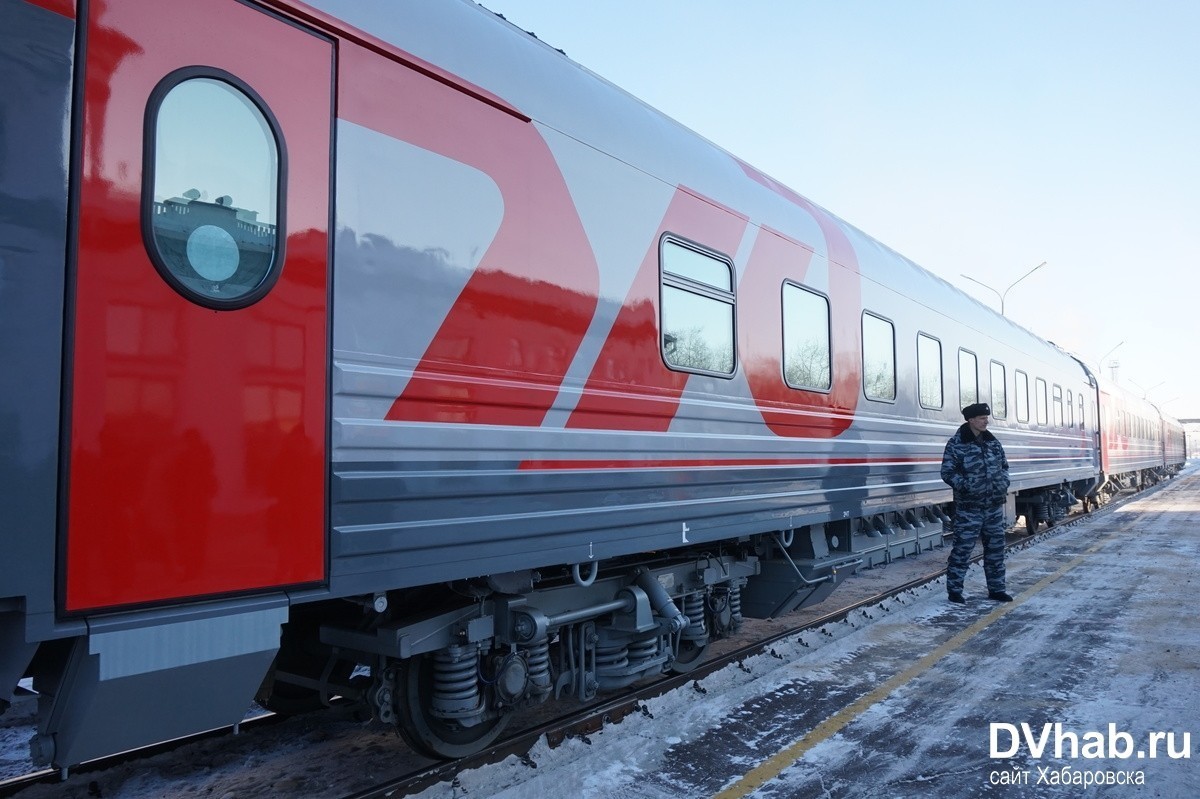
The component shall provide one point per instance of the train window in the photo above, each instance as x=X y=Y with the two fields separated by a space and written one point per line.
x=806 y=352
x=1021 y=389
x=968 y=379
x=212 y=198
x=929 y=371
x=999 y=392
x=1081 y=421
x=697 y=309
x=1056 y=405
x=1039 y=398
x=1070 y=408
x=879 y=358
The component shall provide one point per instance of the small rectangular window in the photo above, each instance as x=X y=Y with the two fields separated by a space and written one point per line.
x=1056 y=406
x=1039 y=397
x=1021 y=388
x=999 y=392
x=697 y=309
x=806 y=352
x=878 y=358
x=1081 y=419
x=929 y=371
x=1070 y=408
x=968 y=379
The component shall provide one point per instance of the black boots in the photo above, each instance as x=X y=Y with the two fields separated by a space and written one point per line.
x=996 y=596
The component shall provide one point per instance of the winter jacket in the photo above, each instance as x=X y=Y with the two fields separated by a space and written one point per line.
x=976 y=469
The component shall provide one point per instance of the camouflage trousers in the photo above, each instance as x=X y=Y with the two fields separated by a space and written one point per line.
x=971 y=524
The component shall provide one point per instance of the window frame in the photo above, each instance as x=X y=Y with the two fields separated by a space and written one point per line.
x=679 y=282
x=1021 y=394
x=149 y=172
x=783 y=333
x=999 y=409
x=964 y=400
x=863 y=355
x=941 y=377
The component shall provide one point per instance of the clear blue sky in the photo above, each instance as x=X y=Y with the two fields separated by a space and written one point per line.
x=976 y=138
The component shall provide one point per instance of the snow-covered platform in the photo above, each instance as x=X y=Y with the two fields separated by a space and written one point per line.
x=1087 y=685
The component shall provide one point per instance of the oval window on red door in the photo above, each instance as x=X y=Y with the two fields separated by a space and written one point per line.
x=212 y=198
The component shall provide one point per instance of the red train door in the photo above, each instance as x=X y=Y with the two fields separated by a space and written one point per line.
x=197 y=439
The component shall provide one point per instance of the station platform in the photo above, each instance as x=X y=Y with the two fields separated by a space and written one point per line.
x=1088 y=685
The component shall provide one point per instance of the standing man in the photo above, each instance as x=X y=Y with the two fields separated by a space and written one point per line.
x=975 y=467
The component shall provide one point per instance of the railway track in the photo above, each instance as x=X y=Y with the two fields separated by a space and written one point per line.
x=89 y=779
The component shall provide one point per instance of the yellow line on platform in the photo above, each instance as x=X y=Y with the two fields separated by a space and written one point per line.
x=775 y=765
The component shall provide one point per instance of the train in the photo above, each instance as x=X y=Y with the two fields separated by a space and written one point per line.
x=378 y=351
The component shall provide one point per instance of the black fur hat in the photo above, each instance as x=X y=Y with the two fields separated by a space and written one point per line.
x=978 y=409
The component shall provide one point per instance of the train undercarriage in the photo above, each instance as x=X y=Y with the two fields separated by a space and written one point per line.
x=451 y=680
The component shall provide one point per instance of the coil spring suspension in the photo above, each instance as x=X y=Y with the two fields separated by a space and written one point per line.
x=611 y=658
x=735 y=605
x=643 y=649
x=693 y=608
x=456 y=682
x=538 y=658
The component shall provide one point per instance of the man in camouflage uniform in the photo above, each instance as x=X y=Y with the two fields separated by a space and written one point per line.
x=975 y=467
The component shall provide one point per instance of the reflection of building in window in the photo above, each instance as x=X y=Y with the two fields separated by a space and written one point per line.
x=806 y=349
x=213 y=247
x=212 y=132
x=697 y=310
x=879 y=358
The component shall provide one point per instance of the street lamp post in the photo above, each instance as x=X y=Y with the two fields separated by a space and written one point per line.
x=1010 y=286
x=1105 y=355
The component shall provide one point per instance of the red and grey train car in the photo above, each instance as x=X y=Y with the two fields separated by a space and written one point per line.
x=351 y=334
x=1138 y=443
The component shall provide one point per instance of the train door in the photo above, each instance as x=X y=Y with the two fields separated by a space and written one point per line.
x=197 y=423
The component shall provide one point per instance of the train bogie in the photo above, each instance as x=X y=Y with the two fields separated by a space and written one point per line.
x=414 y=347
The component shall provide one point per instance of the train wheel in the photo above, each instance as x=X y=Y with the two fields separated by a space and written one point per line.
x=690 y=656
x=429 y=734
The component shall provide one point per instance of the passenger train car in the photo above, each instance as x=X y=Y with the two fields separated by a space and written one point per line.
x=1137 y=441
x=378 y=350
